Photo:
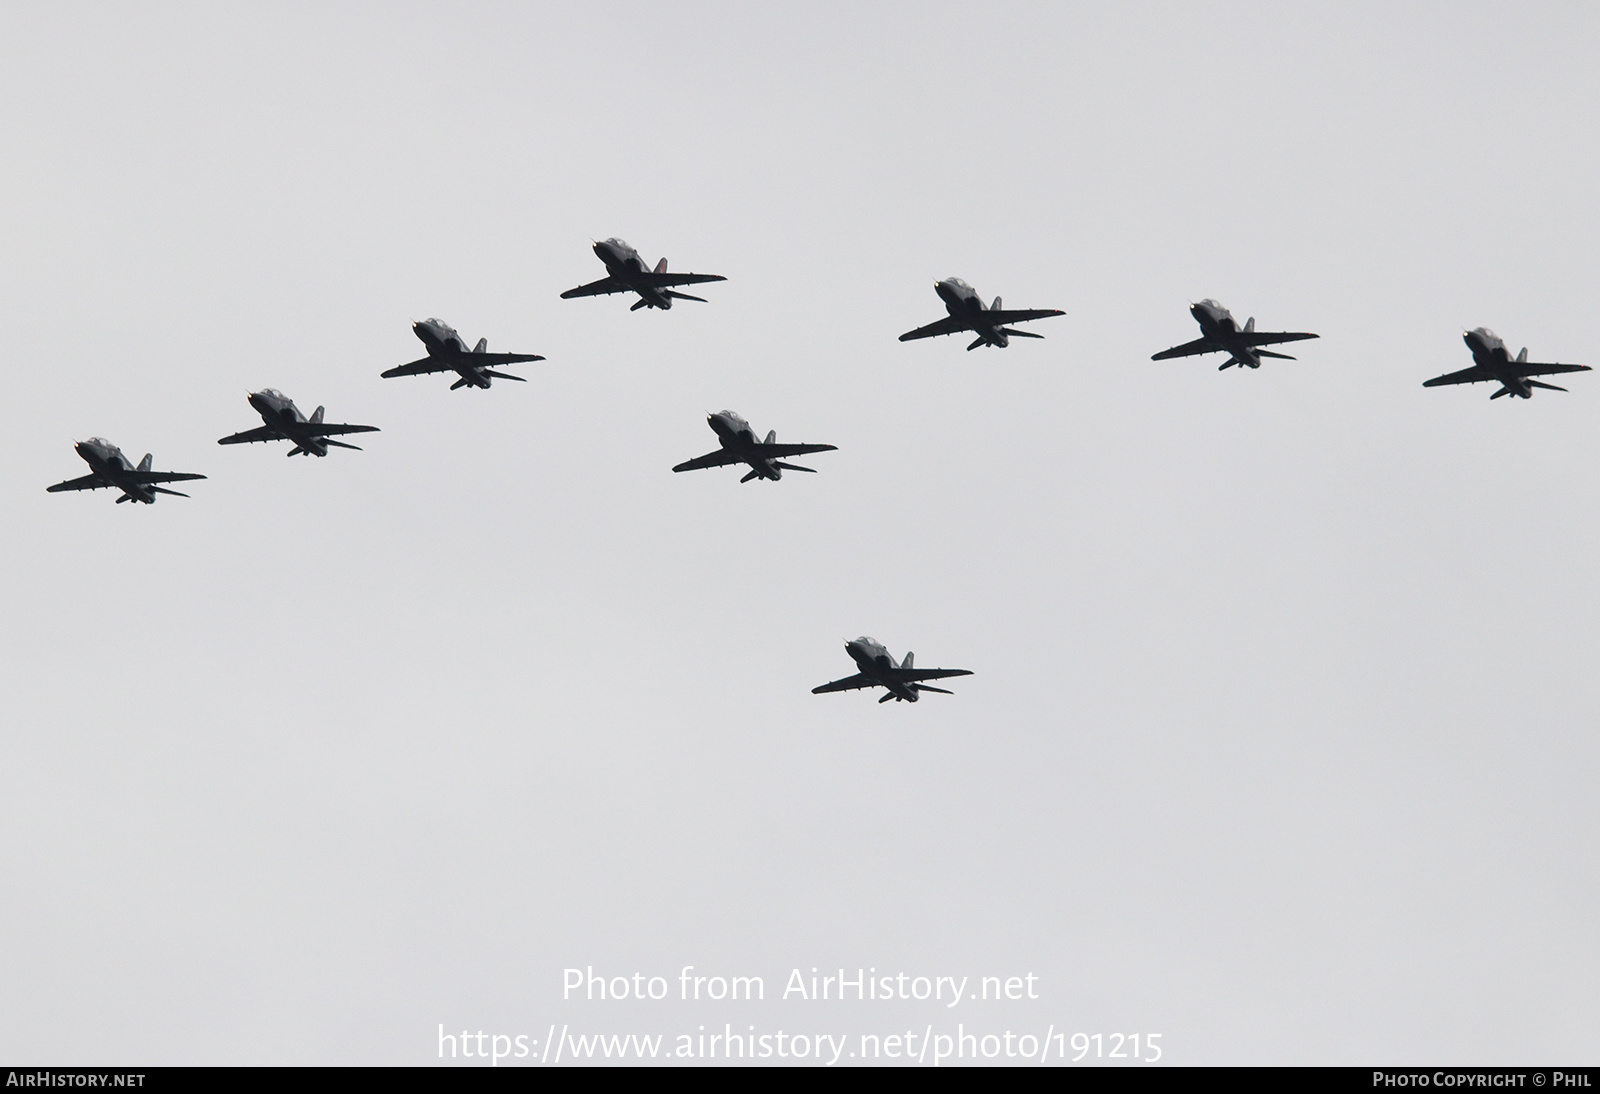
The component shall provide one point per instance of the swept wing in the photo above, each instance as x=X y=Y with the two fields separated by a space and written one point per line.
x=1267 y=337
x=1188 y=349
x=906 y=676
x=948 y=325
x=260 y=433
x=849 y=683
x=88 y=482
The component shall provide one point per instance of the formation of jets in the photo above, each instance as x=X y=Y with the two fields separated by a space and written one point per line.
x=627 y=272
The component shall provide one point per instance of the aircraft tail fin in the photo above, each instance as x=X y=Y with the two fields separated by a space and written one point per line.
x=752 y=475
x=482 y=346
x=1522 y=358
x=772 y=437
x=1250 y=325
x=661 y=267
x=144 y=464
x=910 y=657
x=316 y=418
x=996 y=305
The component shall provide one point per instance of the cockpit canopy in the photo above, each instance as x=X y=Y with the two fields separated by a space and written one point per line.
x=100 y=441
x=1488 y=335
x=274 y=393
x=957 y=283
x=618 y=244
x=1213 y=305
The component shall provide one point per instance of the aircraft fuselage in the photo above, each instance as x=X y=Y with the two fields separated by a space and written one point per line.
x=279 y=414
x=735 y=434
x=1489 y=351
x=623 y=262
x=1217 y=323
x=873 y=660
x=106 y=460
x=963 y=302
x=445 y=344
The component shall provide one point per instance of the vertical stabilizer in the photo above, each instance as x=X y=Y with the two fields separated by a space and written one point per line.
x=772 y=437
x=1250 y=324
x=1522 y=358
x=996 y=305
x=144 y=464
x=316 y=417
x=909 y=658
x=661 y=267
x=482 y=346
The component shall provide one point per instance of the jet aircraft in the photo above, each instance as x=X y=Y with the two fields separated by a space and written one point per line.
x=739 y=445
x=109 y=467
x=626 y=272
x=284 y=422
x=968 y=313
x=1219 y=332
x=1492 y=361
x=879 y=670
x=448 y=353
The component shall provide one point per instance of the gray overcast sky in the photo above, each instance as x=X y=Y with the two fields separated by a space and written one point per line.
x=1281 y=741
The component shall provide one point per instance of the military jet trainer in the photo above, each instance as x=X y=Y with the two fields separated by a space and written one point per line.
x=879 y=670
x=110 y=468
x=448 y=353
x=284 y=422
x=1492 y=361
x=739 y=445
x=626 y=272
x=1220 y=333
x=968 y=313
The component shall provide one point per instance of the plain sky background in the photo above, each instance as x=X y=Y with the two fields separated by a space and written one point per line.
x=1281 y=741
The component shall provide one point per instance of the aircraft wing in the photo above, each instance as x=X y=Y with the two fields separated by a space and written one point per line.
x=499 y=358
x=849 y=683
x=88 y=482
x=908 y=676
x=1474 y=375
x=323 y=429
x=948 y=325
x=1000 y=318
x=714 y=459
x=417 y=368
x=148 y=477
x=666 y=280
x=776 y=451
x=597 y=288
x=260 y=433
x=1267 y=337
x=1188 y=349
x=1533 y=368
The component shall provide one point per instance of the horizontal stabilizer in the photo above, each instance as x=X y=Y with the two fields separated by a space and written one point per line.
x=1269 y=353
x=793 y=467
x=1019 y=333
x=504 y=375
x=640 y=304
x=341 y=444
x=1547 y=387
x=927 y=687
x=174 y=493
x=685 y=296
x=752 y=475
